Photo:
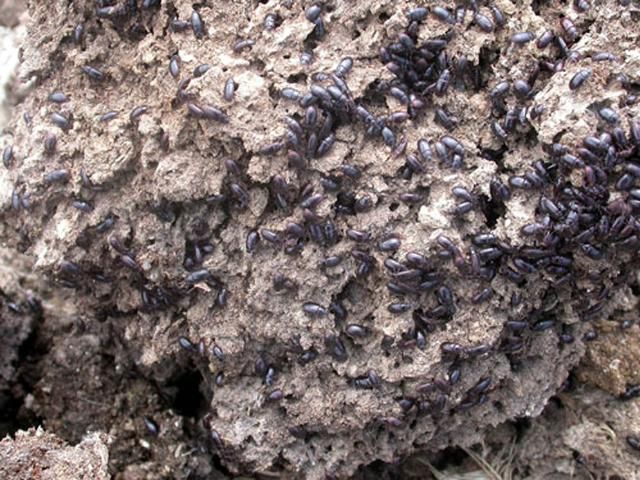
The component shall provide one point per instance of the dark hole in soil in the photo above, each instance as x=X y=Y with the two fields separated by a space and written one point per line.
x=450 y=457
x=538 y=5
x=521 y=425
x=13 y=416
x=189 y=396
x=298 y=78
x=492 y=210
x=374 y=95
x=495 y=156
x=383 y=17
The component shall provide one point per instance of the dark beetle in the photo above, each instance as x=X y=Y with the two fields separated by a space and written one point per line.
x=579 y=78
x=174 y=66
x=356 y=331
x=418 y=14
x=483 y=22
x=148 y=4
x=82 y=206
x=137 y=112
x=58 y=97
x=229 y=89
x=108 y=116
x=198 y=276
x=186 y=344
x=178 y=25
x=608 y=115
x=93 y=73
x=313 y=13
x=197 y=24
x=632 y=391
x=306 y=58
x=522 y=38
x=498 y=16
x=275 y=395
x=61 y=121
x=57 y=176
x=604 y=56
x=78 y=34
x=270 y=21
x=105 y=226
x=442 y=14
x=129 y=262
x=344 y=67
x=633 y=442
x=7 y=156
x=151 y=426
x=50 y=143
x=569 y=29
x=314 y=310
x=390 y=244
x=243 y=44
x=201 y=69
x=545 y=39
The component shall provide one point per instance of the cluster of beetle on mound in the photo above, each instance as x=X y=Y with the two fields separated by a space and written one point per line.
x=593 y=218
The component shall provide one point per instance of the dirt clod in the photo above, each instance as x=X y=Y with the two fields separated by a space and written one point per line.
x=36 y=454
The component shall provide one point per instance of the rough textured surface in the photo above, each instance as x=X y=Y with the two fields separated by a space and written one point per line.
x=36 y=454
x=611 y=363
x=10 y=12
x=590 y=429
x=113 y=329
x=17 y=318
x=12 y=33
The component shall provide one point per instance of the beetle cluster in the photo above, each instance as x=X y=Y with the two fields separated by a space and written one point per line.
x=572 y=221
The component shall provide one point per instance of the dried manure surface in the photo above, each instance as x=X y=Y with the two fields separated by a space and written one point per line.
x=36 y=454
x=292 y=239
